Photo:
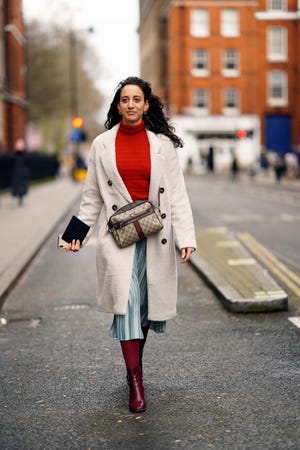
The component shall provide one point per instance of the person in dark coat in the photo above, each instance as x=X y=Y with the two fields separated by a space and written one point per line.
x=20 y=172
x=234 y=168
x=279 y=168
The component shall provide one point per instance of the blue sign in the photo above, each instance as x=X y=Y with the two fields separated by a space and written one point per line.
x=76 y=136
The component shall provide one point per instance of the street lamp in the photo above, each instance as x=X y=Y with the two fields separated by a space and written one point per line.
x=74 y=109
x=12 y=93
x=77 y=132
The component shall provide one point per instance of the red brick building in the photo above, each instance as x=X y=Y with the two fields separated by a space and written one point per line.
x=228 y=69
x=12 y=74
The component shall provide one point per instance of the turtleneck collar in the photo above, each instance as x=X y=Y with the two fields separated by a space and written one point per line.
x=132 y=129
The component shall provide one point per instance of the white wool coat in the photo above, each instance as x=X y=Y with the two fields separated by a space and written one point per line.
x=104 y=191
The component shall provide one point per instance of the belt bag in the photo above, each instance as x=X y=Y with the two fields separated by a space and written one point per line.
x=135 y=221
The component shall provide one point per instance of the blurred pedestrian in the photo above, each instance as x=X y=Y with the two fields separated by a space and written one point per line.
x=134 y=159
x=20 y=172
x=279 y=168
x=211 y=159
x=264 y=162
x=291 y=164
x=234 y=168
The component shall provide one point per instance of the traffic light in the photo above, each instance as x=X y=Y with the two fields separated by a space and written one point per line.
x=77 y=135
x=77 y=122
x=243 y=134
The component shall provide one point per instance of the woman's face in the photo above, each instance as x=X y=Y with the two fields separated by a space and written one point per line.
x=132 y=104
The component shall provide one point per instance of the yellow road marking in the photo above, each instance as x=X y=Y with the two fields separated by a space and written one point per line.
x=241 y=262
x=262 y=294
x=269 y=260
x=228 y=244
x=216 y=230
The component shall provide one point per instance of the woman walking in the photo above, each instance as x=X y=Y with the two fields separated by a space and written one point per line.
x=20 y=172
x=136 y=159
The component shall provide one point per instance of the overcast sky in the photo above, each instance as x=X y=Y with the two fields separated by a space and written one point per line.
x=115 y=37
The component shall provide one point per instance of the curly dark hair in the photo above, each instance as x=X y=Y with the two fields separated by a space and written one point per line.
x=155 y=119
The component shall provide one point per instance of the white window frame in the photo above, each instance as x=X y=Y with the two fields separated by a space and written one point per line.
x=230 y=22
x=200 y=100
x=229 y=109
x=200 y=62
x=230 y=56
x=199 y=22
x=277 y=88
x=277 y=5
x=277 y=43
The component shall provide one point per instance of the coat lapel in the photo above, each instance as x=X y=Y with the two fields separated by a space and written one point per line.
x=157 y=163
x=110 y=165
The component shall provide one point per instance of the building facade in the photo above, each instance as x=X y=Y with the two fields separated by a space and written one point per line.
x=12 y=74
x=228 y=71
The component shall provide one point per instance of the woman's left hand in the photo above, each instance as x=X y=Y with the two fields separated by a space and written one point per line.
x=73 y=246
x=186 y=253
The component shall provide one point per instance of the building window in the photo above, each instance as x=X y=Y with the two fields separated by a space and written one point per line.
x=230 y=100
x=199 y=23
x=200 y=98
x=277 y=5
x=277 y=88
x=200 y=66
x=230 y=63
x=277 y=43
x=230 y=23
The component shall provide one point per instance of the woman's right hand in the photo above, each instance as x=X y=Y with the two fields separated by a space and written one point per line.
x=73 y=246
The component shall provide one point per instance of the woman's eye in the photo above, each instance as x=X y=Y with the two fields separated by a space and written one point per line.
x=127 y=100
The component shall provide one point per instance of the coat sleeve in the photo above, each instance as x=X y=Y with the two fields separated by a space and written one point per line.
x=181 y=212
x=91 y=202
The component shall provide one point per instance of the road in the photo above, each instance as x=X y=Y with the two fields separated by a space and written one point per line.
x=215 y=380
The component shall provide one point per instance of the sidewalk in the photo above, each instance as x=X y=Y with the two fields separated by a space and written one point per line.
x=24 y=229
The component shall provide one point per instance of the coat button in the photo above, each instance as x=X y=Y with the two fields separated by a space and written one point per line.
x=109 y=183
x=114 y=207
x=164 y=241
x=163 y=216
x=161 y=190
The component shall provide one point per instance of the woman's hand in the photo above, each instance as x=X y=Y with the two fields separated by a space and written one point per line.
x=73 y=246
x=186 y=253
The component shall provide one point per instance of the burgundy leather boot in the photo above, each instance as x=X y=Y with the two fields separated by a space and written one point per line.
x=137 y=402
x=141 y=343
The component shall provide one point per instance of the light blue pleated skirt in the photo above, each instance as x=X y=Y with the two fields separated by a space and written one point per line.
x=129 y=326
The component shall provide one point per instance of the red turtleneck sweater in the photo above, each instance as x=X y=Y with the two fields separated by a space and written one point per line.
x=133 y=159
